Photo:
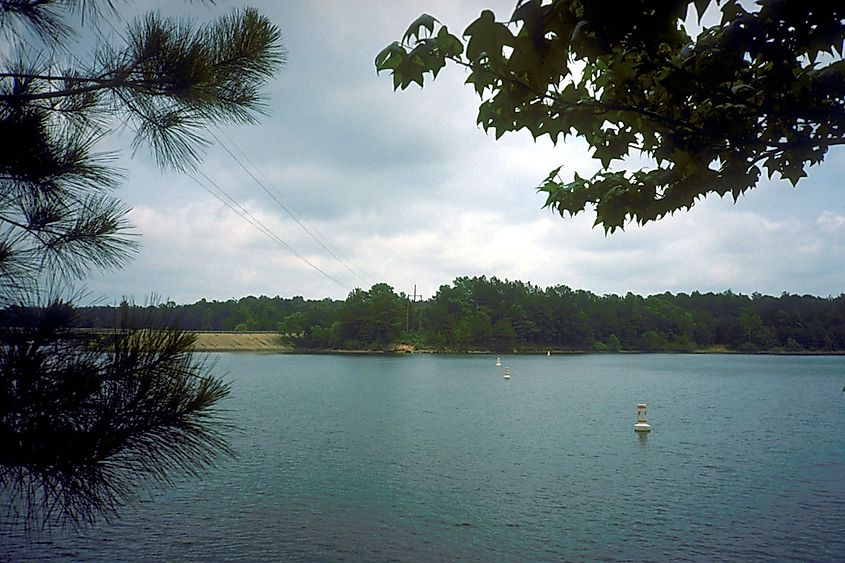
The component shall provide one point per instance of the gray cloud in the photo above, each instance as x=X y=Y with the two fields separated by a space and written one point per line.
x=408 y=190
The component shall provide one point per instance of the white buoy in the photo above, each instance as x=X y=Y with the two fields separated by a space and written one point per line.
x=548 y=352
x=498 y=361
x=642 y=424
x=507 y=373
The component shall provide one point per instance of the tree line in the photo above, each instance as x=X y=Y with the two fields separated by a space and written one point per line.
x=481 y=313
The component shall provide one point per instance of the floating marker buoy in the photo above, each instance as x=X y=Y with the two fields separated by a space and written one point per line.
x=642 y=424
x=507 y=373
x=498 y=361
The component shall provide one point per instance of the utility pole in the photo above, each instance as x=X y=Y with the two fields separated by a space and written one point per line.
x=408 y=310
x=415 y=294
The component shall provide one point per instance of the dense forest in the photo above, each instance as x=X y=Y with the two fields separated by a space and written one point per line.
x=480 y=313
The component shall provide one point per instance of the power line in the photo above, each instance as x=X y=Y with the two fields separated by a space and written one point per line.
x=233 y=204
x=286 y=206
x=240 y=210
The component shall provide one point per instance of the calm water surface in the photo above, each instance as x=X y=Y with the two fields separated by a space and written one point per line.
x=426 y=458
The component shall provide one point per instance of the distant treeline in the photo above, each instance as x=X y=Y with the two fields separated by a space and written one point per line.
x=498 y=315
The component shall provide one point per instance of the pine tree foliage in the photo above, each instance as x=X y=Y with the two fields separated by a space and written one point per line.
x=761 y=91
x=170 y=81
x=82 y=429
x=84 y=421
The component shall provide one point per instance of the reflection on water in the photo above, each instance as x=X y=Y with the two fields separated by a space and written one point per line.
x=439 y=458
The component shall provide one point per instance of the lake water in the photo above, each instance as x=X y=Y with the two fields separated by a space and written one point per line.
x=428 y=458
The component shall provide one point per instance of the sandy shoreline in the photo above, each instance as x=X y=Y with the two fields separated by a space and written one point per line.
x=272 y=342
x=241 y=342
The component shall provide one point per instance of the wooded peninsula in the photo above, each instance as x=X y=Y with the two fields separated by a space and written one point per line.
x=489 y=314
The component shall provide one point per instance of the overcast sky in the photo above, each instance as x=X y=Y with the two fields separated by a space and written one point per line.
x=404 y=188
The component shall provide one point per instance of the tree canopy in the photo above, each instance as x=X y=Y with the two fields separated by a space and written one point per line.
x=481 y=313
x=84 y=420
x=761 y=91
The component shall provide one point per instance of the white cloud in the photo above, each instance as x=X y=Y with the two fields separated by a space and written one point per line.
x=831 y=222
x=408 y=190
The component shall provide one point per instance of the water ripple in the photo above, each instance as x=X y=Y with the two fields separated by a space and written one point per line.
x=439 y=459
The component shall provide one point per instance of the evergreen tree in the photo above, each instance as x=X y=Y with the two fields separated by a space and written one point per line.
x=83 y=423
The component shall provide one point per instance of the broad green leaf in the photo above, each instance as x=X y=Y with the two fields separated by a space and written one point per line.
x=426 y=22
x=390 y=57
x=793 y=172
x=711 y=110
x=449 y=44
x=487 y=37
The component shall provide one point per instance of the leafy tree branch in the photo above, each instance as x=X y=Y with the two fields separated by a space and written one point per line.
x=762 y=89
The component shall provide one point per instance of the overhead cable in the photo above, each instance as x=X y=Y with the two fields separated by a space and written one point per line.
x=244 y=213
x=275 y=195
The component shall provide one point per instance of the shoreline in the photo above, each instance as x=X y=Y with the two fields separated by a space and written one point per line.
x=271 y=342
x=241 y=342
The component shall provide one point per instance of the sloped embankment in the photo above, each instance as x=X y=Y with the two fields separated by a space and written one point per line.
x=241 y=342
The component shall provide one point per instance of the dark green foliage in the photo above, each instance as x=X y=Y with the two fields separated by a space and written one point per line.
x=169 y=82
x=81 y=429
x=762 y=91
x=176 y=78
x=84 y=421
x=371 y=318
x=482 y=313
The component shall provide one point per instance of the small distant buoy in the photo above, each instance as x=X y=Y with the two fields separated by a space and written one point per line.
x=507 y=373
x=498 y=361
x=548 y=352
x=642 y=424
